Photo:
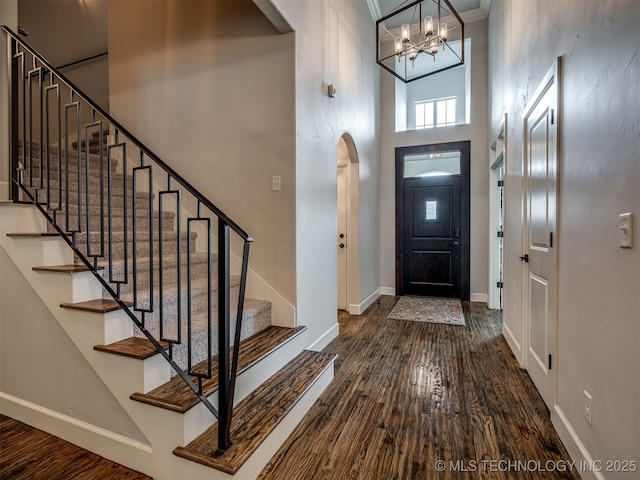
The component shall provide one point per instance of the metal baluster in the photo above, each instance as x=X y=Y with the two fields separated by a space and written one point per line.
x=15 y=130
x=236 y=342
x=135 y=170
x=224 y=438
x=56 y=90
x=161 y=254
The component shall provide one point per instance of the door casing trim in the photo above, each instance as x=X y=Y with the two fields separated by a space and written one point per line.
x=465 y=203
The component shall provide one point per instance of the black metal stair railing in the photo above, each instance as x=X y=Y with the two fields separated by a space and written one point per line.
x=141 y=199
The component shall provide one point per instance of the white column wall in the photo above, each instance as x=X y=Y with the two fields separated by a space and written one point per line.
x=335 y=44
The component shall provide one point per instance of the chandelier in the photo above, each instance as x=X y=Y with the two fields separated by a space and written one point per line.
x=420 y=39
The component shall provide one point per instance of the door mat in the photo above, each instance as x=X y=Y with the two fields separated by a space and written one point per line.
x=428 y=309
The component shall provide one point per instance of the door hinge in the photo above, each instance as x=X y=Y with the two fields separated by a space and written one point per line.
x=499 y=285
x=500 y=234
x=501 y=183
x=550 y=239
x=549 y=361
x=553 y=120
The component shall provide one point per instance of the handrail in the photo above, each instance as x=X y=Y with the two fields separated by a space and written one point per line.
x=133 y=139
x=79 y=182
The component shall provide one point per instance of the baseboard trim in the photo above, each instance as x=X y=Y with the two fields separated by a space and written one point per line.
x=325 y=338
x=577 y=451
x=479 y=297
x=514 y=345
x=388 y=291
x=358 y=309
x=110 y=445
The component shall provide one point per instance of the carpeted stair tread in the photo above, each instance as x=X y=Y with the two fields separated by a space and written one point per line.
x=145 y=266
x=96 y=133
x=132 y=347
x=94 y=142
x=117 y=190
x=256 y=317
x=94 y=209
x=54 y=151
x=199 y=314
x=142 y=221
x=117 y=198
x=142 y=245
x=258 y=414
x=177 y=396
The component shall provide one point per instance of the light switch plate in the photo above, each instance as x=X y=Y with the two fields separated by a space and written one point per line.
x=276 y=183
x=625 y=224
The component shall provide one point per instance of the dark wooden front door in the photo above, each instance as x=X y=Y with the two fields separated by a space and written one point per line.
x=432 y=217
x=433 y=221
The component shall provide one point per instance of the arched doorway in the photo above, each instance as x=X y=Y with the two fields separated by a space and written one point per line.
x=347 y=181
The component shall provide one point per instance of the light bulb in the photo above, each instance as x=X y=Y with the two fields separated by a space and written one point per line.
x=428 y=26
x=443 y=31
x=405 y=32
x=398 y=46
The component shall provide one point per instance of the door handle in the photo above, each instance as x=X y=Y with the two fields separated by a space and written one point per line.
x=342 y=235
x=456 y=244
x=341 y=245
x=524 y=258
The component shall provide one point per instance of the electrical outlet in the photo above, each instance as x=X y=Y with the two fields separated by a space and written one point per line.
x=588 y=407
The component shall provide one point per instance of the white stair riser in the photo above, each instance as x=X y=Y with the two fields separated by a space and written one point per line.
x=198 y=418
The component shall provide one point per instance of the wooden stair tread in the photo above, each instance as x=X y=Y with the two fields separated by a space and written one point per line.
x=72 y=268
x=33 y=235
x=258 y=414
x=177 y=396
x=133 y=347
x=100 y=305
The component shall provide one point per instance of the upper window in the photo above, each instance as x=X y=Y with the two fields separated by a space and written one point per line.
x=435 y=113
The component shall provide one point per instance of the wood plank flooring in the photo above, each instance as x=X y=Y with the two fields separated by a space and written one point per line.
x=408 y=394
x=405 y=395
x=27 y=453
x=257 y=415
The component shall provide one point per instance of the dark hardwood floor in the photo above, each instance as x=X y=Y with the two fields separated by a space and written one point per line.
x=30 y=454
x=407 y=395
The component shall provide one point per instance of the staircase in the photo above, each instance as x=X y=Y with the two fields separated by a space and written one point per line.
x=158 y=306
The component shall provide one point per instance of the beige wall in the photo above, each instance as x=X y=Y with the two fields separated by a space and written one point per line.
x=476 y=132
x=40 y=364
x=66 y=31
x=599 y=283
x=209 y=87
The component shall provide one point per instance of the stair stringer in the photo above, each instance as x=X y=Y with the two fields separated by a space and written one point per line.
x=122 y=375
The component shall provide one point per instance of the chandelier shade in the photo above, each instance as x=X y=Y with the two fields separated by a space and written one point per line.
x=420 y=39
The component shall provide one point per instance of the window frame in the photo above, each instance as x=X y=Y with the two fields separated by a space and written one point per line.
x=435 y=103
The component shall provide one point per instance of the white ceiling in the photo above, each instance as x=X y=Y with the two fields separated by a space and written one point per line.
x=469 y=10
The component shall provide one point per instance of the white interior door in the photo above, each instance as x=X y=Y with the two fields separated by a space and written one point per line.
x=541 y=271
x=342 y=240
